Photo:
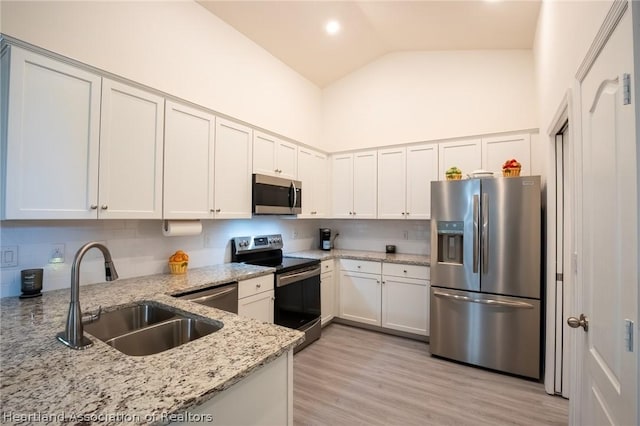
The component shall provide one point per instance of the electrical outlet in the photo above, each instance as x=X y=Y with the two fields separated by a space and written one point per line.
x=295 y=234
x=406 y=235
x=57 y=253
x=8 y=256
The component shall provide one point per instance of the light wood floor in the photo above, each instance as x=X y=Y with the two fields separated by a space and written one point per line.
x=359 y=377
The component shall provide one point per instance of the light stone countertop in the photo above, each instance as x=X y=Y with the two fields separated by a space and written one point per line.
x=409 y=259
x=39 y=376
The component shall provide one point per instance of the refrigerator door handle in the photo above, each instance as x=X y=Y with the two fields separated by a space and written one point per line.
x=476 y=224
x=497 y=303
x=485 y=233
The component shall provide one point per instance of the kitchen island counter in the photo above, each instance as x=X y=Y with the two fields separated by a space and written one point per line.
x=43 y=381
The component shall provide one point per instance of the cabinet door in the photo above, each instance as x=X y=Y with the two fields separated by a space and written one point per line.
x=264 y=154
x=307 y=175
x=53 y=131
x=422 y=168
x=258 y=306
x=312 y=172
x=342 y=185
x=131 y=147
x=465 y=155
x=360 y=297
x=188 y=163
x=392 y=180
x=287 y=160
x=232 y=170
x=405 y=304
x=321 y=185
x=365 y=191
x=497 y=150
x=327 y=296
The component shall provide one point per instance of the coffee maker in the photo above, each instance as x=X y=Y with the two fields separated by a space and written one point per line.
x=325 y=239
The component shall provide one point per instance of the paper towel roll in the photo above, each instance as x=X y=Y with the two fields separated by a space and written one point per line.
x=176 y=228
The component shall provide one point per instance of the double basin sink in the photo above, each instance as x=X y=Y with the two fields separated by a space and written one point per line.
x=148 y=328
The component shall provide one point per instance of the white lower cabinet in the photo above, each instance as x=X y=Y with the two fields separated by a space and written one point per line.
x=360 y=293
x=327 y=291
x=405 y=304
x=256 y=297
x=268 y=391
x=390 y=295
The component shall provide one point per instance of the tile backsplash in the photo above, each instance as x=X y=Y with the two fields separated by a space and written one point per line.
x=139 y=248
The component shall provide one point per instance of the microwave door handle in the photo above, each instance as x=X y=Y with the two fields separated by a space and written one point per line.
x=476 y=224
x=295 y=194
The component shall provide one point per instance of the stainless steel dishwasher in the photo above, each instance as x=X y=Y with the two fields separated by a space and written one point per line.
x=224 y=297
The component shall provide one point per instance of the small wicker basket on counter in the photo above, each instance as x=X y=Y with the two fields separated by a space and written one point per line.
x=511 y=171
x=178 y=268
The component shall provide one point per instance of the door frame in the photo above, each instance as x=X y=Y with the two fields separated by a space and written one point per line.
x=565 y=115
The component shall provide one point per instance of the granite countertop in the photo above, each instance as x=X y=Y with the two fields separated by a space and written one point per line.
x=41 y=377
x=409 y=259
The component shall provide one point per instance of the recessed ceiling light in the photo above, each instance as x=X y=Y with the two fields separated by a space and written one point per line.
x=332 y=27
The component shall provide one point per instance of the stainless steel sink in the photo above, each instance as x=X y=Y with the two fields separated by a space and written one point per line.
x=147 y=329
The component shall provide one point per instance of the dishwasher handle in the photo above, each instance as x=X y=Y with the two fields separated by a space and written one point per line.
x=206 y=295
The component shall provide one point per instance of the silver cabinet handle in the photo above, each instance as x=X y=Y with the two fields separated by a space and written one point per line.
x=485 y=233
x=212 y=210
x=476 y=223
x=104 y=207
x=94 y=206
x=217 y=210
x=492 y=302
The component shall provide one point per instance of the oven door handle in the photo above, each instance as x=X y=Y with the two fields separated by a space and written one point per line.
x=286 y=279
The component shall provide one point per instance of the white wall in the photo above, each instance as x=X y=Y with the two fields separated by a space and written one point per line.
x=421 y=96
x=565 y=31
x=137 y=246
x=177 y=47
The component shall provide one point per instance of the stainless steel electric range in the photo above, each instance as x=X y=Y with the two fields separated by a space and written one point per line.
x=296 y=282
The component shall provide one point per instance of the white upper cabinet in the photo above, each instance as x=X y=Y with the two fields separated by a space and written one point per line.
x=342 y=185
x=354 y=186
x=422 y=169
x=497 y=150
x=53 y=131
x=464 y=154
x=274 y=157
x=232 y=170
x=131 y=149
x=188 y=163
x=404 y=181
x=365 y=191
x=313 y=174
x=392 y=183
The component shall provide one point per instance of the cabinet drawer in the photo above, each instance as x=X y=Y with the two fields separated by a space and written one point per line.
x=326 y=266
x=255 y=285
x=407 y=271
x=361 y=266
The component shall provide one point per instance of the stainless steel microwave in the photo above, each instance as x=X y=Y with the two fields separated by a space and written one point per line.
x=274 y=195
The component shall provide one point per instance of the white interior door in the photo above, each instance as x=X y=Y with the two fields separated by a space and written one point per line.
x=606 y=391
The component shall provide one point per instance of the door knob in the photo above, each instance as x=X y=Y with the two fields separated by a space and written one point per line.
x=579 y=322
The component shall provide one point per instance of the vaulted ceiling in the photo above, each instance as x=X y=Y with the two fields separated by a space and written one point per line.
x=294 y=31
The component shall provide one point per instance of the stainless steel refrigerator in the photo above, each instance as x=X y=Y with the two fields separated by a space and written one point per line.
x=485 y=273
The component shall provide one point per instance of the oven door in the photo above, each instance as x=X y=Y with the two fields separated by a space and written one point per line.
x=297 y=294
x=273 y=195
